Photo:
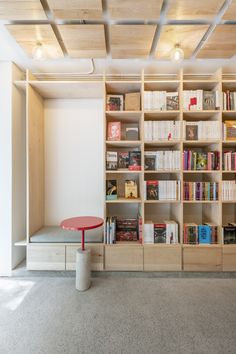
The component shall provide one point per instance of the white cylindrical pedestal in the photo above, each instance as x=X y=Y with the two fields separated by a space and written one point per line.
x=83 y=270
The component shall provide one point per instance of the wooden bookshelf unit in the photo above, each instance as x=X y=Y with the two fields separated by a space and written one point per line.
x=137 y=255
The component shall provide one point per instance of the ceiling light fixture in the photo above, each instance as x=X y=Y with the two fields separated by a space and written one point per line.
x=177 y=54
x=38 y=52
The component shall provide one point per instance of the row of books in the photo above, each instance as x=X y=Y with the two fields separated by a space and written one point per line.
x=117 y=131
x=229 y=161
x=162 y=130
x=163 y=232
x=229 y=233
x=228 y=190
x=198 y=100
x=229 y=130
x=200 y=234
x=131 y=189
x=121 y=229
x=162 y=160
x=161 y=100
x=201 y=190
x=120 y=160
x=162 y=190
x=201 y=130
x=193 y=160
x=229 y=100
x=171 y=130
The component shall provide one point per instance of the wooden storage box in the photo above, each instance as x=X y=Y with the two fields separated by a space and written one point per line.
x=162 y=257
x=97 y=256
x=229 y=258
x=206 y=258
x=45 y=257
x=124 y=257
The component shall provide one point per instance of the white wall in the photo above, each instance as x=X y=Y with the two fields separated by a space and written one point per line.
x=73 y=159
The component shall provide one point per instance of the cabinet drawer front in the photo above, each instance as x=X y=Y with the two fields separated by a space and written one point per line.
x=162 y=258
x=229 y=258
x=200 y=258
x=124 y=258
x=43 y=257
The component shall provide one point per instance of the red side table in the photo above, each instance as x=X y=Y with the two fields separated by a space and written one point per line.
x=82 y=223
x=83 y=263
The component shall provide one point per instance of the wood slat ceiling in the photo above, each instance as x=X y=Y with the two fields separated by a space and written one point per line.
x=134 y=9
x=76 y=9
x=221 y=43
x=21 y=10
x=84 y=41
x=230 y=14
x=131 y=41
x=27 y=36
x=187 y=36
x=193 y=9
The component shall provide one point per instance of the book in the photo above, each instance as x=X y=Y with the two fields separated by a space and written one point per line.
x=191 y=131
x=123 y=160
x=159 y=233
x=128 y=235
x=132 y=101
x=135 y=160
x=209 y=100
x=131 y=132
x=149 y=160
x=201 y=163
x=152 y=190
x=204 y=234
x=131 y=189
x=190 y=233
x=111 y=160
x=111 y=189
x=114 y=131
x=172 y=101
x=229 y=234
x=230 y=130
x=115 y=103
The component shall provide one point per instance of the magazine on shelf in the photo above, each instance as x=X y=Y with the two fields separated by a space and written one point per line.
x=114 y=131
x=111 y=189
x=111 y=160
x=115 y=103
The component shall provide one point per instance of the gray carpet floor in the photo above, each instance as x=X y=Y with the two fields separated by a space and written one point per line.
x=119 y=314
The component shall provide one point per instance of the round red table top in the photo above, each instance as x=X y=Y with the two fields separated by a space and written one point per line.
x=82 y=223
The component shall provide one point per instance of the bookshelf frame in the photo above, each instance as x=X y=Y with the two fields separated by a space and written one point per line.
x=126 y=256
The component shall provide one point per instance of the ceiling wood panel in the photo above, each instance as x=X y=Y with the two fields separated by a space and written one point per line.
x=27 y=36
x=230 y=14
x=193 y=9
x=131 y=41
x=220 y=44
x=134 y=9
x=187 y=36
x=21 y=10
x=84 y=41
x=76 y=9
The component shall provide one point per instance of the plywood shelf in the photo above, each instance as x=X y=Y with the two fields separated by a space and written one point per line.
x=202 y=171
x=162 y=171
x=124 y=200
x=124 y=143
x=201 y=201
x=162 y=201
x=123 y=172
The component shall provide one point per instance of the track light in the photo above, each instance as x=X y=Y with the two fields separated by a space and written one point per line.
x=38 y=52
x=177 y=54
